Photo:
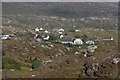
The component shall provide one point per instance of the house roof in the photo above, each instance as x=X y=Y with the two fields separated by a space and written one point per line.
x=89 y=41
x=107 y=37
x=41 y=30
x=22 y=38
x=67 y=39
x=78 y=29
x=57 y=28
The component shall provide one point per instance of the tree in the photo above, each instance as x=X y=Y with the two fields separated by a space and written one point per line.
x=3 y=53
x=35 y=64
x=10 y=63
x=84 y=38
x=52 y=37
x=72 y=30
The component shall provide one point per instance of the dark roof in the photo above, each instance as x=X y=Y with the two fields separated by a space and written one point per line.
x=41 y=30
x=22 y=38
x=57 y=28
x=66 y=39
x=107 y=37
x=78 y=29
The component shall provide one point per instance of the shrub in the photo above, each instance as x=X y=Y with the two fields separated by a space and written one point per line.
x=10 y=63
x=72 y=30
x=84 y=38
x=52 y=37
x=35 y=64
x=3 y=53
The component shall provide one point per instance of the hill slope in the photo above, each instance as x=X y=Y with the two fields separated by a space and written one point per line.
x=62 y=9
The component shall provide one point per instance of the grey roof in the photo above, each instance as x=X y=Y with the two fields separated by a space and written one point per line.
x=78 y=29
x=67 y=39
x=107 y=37
x=57 y=28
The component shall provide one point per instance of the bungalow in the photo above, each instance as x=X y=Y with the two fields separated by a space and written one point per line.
x=41 y=29
x=90 y=42
x=61 y=36
x=108 y=38
x=60 y=32
x=4 y=36
x=73 y=26
x=37 y=39
x=66 y=40
x=46 y=31
x=22 y=38
x=78 y=41
x=36 y=29
x=58 y=29
x=46 y=37
x=77 y=30
x=12 y=35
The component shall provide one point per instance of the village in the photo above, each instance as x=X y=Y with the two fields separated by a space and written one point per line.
x=40 y=49
x=57 y=35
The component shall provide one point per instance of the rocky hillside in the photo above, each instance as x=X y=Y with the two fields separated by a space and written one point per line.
x=70 y=9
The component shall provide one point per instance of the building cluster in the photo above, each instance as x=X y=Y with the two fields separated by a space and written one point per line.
x=41 y=34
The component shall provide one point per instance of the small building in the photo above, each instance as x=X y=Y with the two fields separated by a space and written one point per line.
x=22 y=38
x=61 y=36
x=66 y=40
x=37 y=39
x=41 y=29
x=4 y=36
x=12 y=35
x=77 y=30
x=73 y=26
x=95 y=66
x=116 y=60
x=60 y=32
x=36 y=29
x=108 y=38
x=58 y=29
x=90 y=42
x=46 y=31
x=78 y=41
x=46 y=37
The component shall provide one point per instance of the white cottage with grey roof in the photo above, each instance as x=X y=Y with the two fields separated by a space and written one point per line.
x=66 y=40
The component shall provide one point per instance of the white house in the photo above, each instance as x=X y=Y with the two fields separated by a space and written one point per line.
x=46 y=31
x=108 y=38
x=77 y=30
x=36 y=29
x=60 y=32
x=58 y=29
x=5 y=37
x=46 y=37
x=41 y=29
x=90 y=42
x=73 y=26
x=78 y=41
x=66 y=40
x=61 y=36
x=36 y=35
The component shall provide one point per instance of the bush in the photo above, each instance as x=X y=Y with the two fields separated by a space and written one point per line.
x=35 y=64
x=84 y=38
x=72 y=30
x=68 y=44
x=3 y=53
x=52 y=37
x=10 y=63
